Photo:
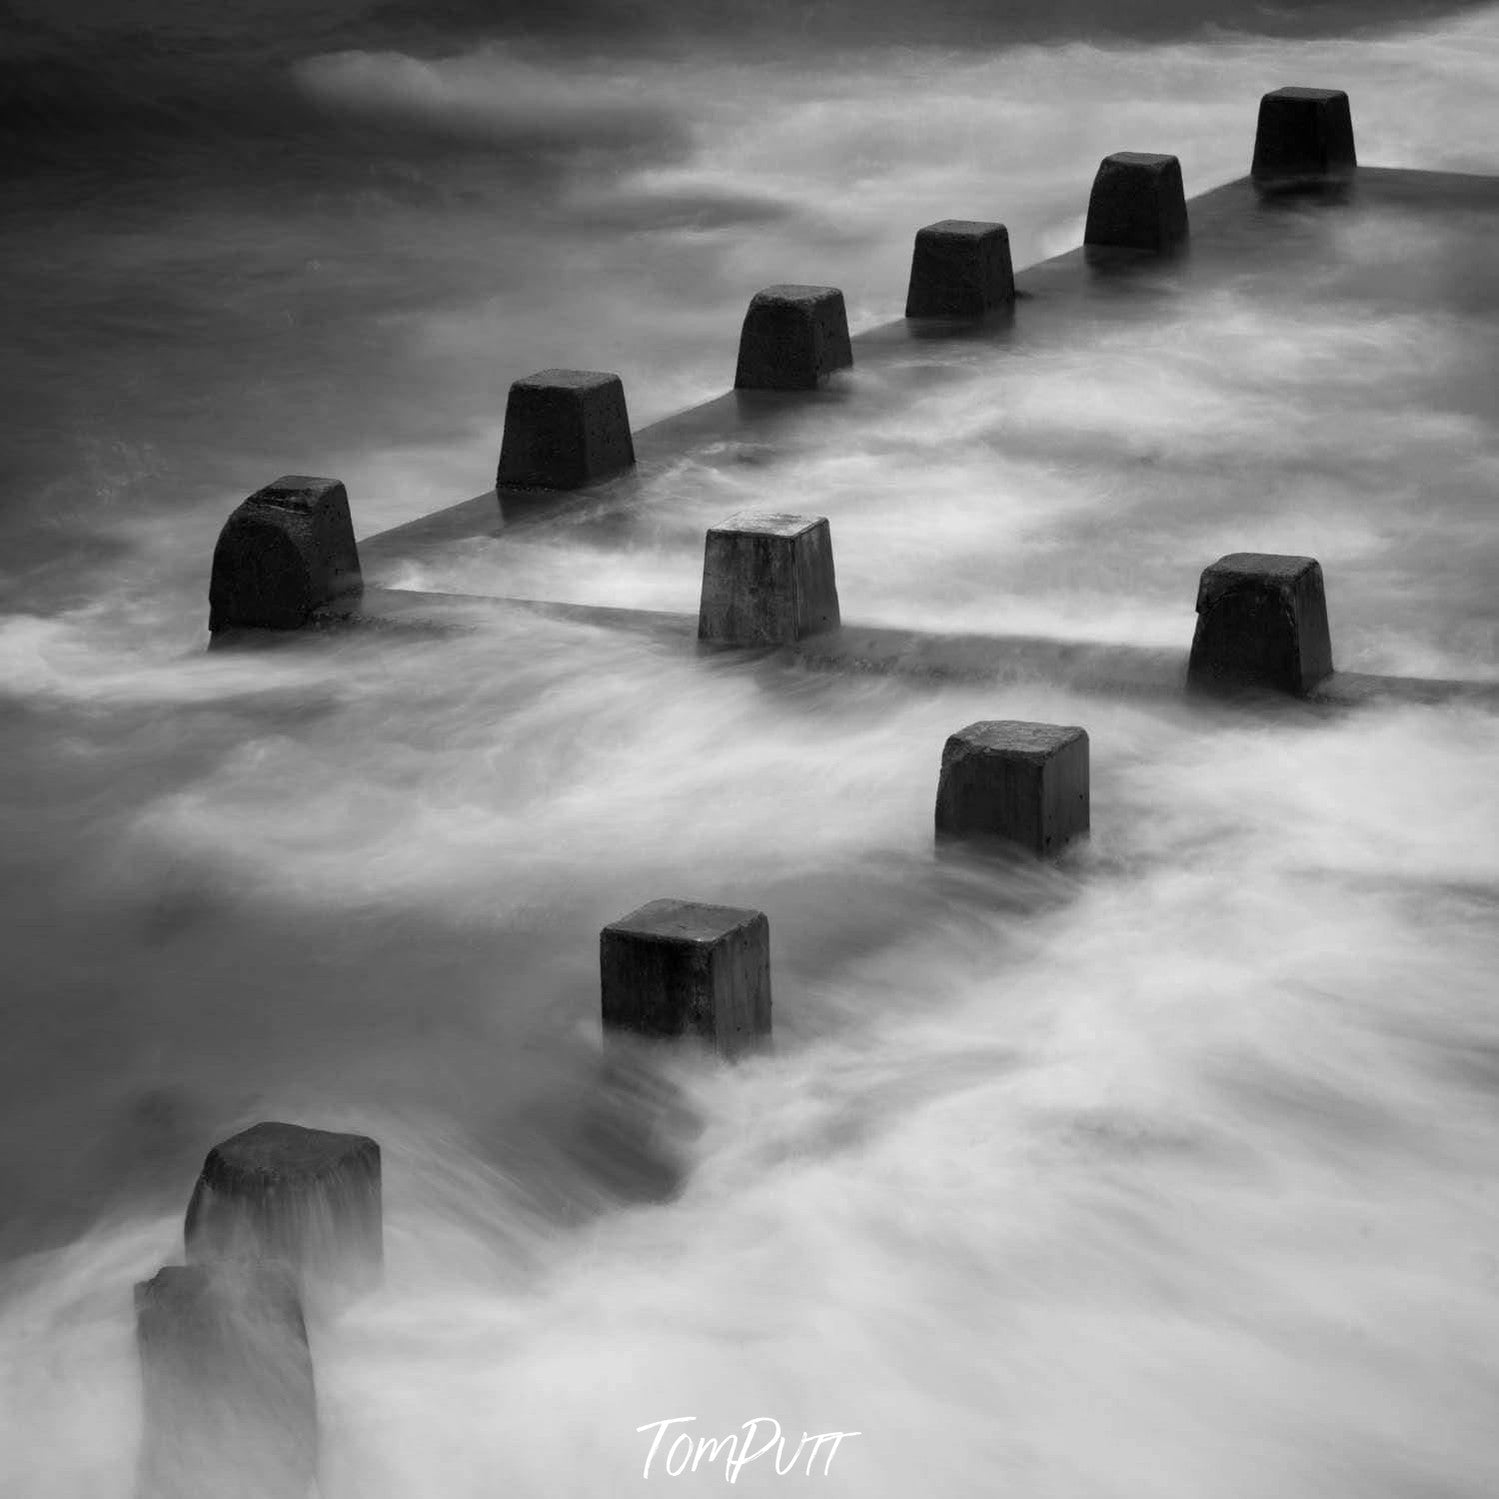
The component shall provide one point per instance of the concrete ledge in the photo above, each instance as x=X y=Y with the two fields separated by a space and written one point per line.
x=283 y=552
x=794 y=338
x=679 y=968
x=960 y=268
x=1137 y=203
x=1021 y=783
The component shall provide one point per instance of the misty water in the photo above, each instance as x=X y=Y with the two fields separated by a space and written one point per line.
x=1161 y=1170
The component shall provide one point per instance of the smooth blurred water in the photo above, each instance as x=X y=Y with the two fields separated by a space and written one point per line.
x=1162 y=1171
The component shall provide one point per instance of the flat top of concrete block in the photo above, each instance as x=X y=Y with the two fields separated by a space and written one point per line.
x=567 y=380
x=1025 y=741
x=294 y=490
x=684 y=921
x=1315 y=95
x=1262 y=565
x=1140 y=159
x=771 y=525
x=964 y=228
x=277 y=1150
x=793 y=295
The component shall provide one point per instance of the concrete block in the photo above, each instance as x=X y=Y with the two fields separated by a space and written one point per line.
x=230 y=1404
x=1303 y=135
x=308 y=1199
x=1137 y=203
x=676 y=968
x=1026 y=783
x=767 y=579
x=793 y=338
x=283 y=552
x=564 y=429
x=1261 y=622
x=960 y=268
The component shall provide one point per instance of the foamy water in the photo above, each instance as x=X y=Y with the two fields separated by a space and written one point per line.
x=1161 y=1171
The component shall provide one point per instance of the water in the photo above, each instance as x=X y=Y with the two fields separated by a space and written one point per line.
x=1165 y=1170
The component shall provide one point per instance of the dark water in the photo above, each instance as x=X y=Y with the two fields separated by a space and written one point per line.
x=1163 y=1172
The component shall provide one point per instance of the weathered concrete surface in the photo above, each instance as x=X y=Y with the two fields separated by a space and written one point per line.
x=1137 y=203
x=680 y=968
x=1261 y=622
x=793 y=338
x=1304 y=136
x=230 y=1403
x=960 y=268
x=287 y=549
x=767 y=580
x=307 y=1199
x=564 y=429
x=1024 y=783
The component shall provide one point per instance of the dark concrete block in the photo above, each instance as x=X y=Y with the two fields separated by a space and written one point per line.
x=1137 y=203
x=1303 y=135
x=793 y=338
x=1026 y=783
x=1261 y=622
x=230 y=1404
x=564 y=429
x=675 y=968
x=283 y=552
x=304 y=1198
x=767 y=580
x=960 y=269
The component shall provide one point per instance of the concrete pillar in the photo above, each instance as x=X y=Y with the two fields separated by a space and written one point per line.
x=283 y=552
x=1261 y=622
x=1137 y=203
x=677 y=968
x=307 y=1199
x=767 y=580
x=1025 y=783
x=564 y=429
x=960 y=268
x=793 y=338
x=229 y=1401
x=1304 y=136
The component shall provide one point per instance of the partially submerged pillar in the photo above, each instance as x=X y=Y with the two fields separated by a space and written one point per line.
x=1137 y=203
x=793 y=338
x=767 y=580
x=306 y=1199
x=1304 y=137
x=564 y=429
x=285 y=551
x=1261 y=622
x=679 y=968
x=960 y=268
x=229 y=1400
x=1024 y=783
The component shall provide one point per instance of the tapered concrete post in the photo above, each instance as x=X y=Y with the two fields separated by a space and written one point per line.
x=794 y=338
x=677 y=968
x=1261 y=622
x=229 y=1400
x=283 y=552
x=1024 y=783
x=767 y=580
x=1304 y=137
x=1137 y=203
x=564 y=429
x=307 y=1199
x=960 y=268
